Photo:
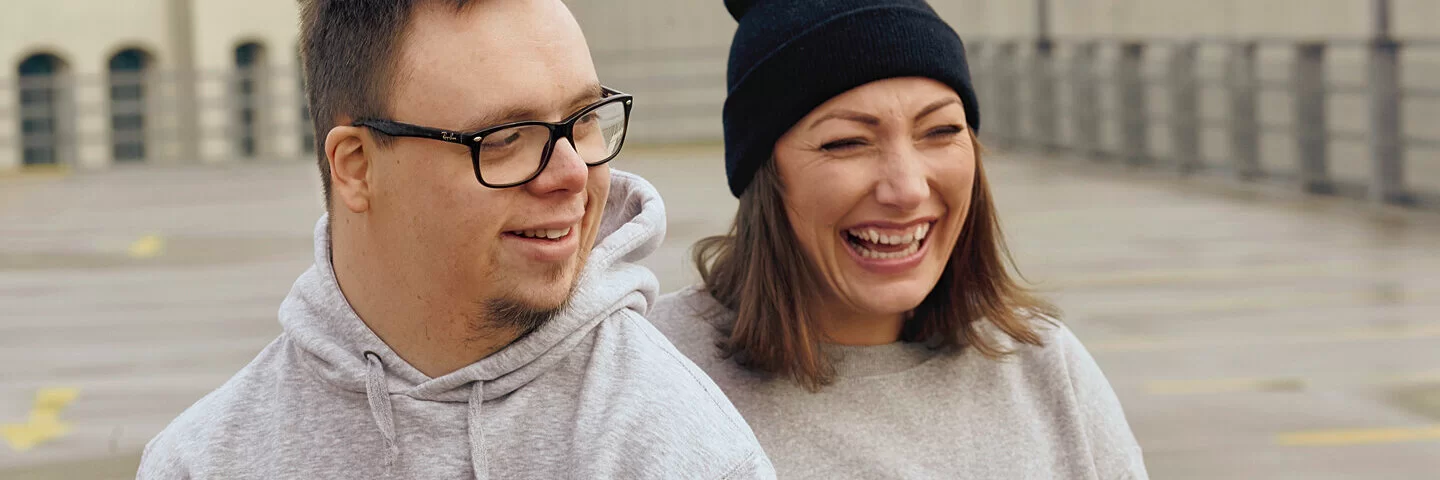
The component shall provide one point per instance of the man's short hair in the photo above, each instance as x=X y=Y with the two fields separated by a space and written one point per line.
x=348 y=49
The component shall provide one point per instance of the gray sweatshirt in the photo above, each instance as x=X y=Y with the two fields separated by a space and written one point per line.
x=595 y=393
x=905 y=411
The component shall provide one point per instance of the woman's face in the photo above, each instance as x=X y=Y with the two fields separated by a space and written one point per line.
x=877 y=186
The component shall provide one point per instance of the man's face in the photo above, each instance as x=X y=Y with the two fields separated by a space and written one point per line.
x=494 y=62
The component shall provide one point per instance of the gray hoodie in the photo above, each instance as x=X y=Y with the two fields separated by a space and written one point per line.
x=595 y=393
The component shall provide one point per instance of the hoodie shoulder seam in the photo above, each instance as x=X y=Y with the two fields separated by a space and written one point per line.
x=735 y=470
x=676 y=357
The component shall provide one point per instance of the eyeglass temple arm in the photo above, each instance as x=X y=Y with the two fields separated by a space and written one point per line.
x=407 y=130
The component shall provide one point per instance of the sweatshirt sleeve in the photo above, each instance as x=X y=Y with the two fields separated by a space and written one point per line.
x=1112 y=444
x=161 y=461
x=757 y=466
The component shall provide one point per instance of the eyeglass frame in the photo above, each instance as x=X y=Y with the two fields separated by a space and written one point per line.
x=563 y=129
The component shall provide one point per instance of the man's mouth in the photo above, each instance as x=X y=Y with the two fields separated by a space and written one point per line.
x=550 y=234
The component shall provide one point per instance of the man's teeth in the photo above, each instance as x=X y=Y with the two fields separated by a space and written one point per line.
x=549 y=234
x=915 y=234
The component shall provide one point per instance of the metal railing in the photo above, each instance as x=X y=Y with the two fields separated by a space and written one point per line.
x=93 y=121
x=1328 y=116
x=98 y=120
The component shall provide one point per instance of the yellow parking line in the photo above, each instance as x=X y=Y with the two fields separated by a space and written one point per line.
x=1208 y=386
x=146 y=247
x=1224 y=385
x=1358 y=436
x=1155 y=343
x=1416 y=377
x=44 y=423
x=38 y=171
x=1269 y=301
x=1194 y=275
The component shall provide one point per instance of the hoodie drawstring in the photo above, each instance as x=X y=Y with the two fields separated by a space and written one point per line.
x=478 y=459
x=379 y=396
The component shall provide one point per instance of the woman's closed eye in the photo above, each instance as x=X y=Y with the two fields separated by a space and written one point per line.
x=843 y=144
x=944 y=132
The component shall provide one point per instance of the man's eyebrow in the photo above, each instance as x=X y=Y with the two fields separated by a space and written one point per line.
x=513 y=113
x=591 y=94
x=517 y=113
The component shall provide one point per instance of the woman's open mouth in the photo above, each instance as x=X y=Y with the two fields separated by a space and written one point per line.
x=888 y=245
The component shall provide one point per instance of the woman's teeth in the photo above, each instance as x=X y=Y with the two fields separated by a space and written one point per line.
x=548 y=234
x=908 y=251
x=911 y=239
x=915 y=234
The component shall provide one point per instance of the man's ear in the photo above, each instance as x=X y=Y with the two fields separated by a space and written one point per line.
x=349 y=167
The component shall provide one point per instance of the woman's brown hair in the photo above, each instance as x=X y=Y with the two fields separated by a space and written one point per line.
x=759 y=271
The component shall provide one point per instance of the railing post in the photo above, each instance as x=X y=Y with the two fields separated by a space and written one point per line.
x=1007 y=102
x=1084 y=105
x=1134 y=130
x=1244 y=119
x=1386 y=145
x=1311 y=121
x=1043 y=109
x=10 y=135
x=982 y=55
x=1185 y=126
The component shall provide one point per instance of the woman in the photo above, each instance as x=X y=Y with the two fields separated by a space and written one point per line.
x=859 y=313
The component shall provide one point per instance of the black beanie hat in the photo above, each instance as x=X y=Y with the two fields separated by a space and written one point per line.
x=790 y=56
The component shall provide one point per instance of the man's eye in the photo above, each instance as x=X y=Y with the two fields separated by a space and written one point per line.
x=502 y=140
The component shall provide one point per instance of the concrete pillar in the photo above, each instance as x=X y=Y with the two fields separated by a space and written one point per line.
x=1312 y=134
x=1387 y=147
x=217 y=119
x=9 y=125
x=90 y=135
x=283 y=134
x=1244 y=85
x=1043 y=109
x=1185 y=126
x=1085 y=105
x=186 y=108
x=1134 y=125
x=1006 y=113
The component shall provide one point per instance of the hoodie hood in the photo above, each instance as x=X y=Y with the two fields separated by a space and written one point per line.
x=340 y=349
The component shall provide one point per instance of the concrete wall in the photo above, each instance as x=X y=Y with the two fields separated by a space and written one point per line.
x=1186 y=18
x=220 y=27
x=84 y=34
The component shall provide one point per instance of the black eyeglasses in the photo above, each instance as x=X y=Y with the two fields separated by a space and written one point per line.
x=515 y=153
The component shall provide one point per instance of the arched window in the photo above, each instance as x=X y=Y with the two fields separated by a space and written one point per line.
x=251 y=97
x=128 y=71
x=43 y=96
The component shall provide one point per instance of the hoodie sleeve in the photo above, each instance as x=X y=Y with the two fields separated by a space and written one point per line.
x=161 y=461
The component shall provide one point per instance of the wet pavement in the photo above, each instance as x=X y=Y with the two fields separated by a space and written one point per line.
x=1250 y=333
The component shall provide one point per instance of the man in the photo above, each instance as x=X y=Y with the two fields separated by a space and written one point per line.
x=474 y=308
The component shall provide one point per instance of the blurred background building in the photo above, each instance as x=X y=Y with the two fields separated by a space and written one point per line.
x=92 y=83
x=1207 y=189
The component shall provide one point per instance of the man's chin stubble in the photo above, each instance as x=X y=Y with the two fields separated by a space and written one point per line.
x=513 y=314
